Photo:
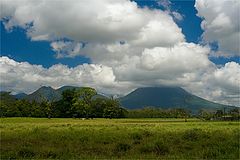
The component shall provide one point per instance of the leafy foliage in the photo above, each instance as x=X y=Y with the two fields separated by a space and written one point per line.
x=78 y=103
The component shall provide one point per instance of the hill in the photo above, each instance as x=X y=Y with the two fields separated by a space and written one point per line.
x=20 y=95
x=50 y=94
x=44 y=93
x=166 y=97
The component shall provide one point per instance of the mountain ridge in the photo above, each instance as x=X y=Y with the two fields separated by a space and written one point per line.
x=48 y=93
x=162 y=97
x=166 y=97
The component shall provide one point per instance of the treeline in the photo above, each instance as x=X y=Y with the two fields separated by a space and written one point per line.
x=75 y=103
x=86 y=103
x=231 y=114
x=152 y=112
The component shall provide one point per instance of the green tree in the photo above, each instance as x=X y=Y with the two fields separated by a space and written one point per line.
x=219 y=113
x=205 y=115
x=82 y=102
x=235 y=113
x=64 y=107
x=113 y=109
x=98 y=106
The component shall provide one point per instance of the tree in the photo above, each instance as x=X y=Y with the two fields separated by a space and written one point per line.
x=235 y=113
x=205 y=115
x=98 y=106
x=85 y=94
x=113 y=109
x=219 y=113
x=82 y=102
x=64 y=107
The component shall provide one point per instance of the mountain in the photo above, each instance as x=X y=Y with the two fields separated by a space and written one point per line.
x=50 y=94
x=20 y=95
x=166 y=97
x=44 y=93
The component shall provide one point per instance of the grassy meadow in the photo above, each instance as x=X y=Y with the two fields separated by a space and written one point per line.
x=42 y=138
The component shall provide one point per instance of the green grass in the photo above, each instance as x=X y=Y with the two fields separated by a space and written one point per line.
x=33 y=138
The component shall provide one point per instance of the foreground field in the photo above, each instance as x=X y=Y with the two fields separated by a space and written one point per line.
x=25 y=138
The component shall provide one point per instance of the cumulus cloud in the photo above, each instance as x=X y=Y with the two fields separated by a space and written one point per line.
x=226 y=83
x=163 y=65
x=92 y=21
x=25 y=77
x=221 y=24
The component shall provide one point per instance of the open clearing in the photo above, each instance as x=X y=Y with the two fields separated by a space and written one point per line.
x=42 y=138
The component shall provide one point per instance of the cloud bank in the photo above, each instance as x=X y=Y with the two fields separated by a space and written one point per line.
x=216 y=84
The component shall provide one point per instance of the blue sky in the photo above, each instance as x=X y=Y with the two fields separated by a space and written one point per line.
x=19 y=47
x=184 y=43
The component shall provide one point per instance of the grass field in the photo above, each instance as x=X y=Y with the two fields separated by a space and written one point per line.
x=33 y=138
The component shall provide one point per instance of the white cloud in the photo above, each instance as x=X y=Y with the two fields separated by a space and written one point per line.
x=160 y=65
x=93 y=21
x=66 y=49
x=226 y=83
x=166 y=4
x=177 y=16
x=24 y=77
x=221 y=24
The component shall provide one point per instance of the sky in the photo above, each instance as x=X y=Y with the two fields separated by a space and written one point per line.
x=117 y=46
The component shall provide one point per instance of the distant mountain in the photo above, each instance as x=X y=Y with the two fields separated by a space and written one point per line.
x=50 y=94
x=166 y=97
x=44 y=93
x=20 y=95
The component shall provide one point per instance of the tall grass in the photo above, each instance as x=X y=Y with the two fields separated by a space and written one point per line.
x=26 y=138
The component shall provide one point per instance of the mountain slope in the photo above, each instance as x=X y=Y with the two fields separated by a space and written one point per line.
x=20 y=95
x=166 y=97
x=44 y=93
x=50 y=94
